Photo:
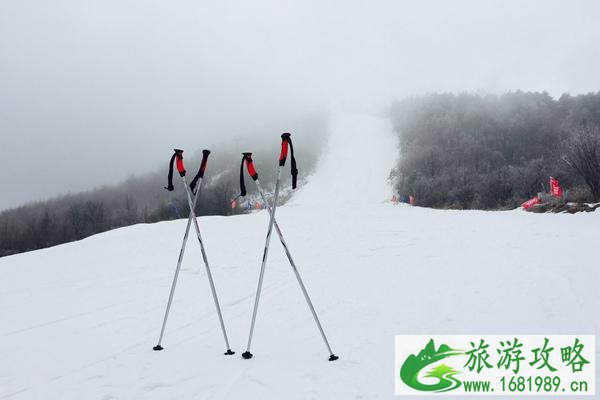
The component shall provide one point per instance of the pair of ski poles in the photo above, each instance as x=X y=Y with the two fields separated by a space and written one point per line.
x=192 y=198
x=286 y=144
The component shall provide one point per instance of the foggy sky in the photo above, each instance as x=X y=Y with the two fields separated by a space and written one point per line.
x=93 y=91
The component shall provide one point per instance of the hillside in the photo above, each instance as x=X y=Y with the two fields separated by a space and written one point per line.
x=79 y=320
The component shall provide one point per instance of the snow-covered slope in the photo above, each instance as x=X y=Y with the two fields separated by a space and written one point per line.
x=78 y=321
x=360 y=153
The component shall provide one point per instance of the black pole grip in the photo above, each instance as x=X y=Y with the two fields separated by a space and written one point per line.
x=200 y=174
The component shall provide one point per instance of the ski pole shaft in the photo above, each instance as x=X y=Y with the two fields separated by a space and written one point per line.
x=207 y=266
x=177 y=269
x=296 y=272
x=178 y=158
x=173 y=285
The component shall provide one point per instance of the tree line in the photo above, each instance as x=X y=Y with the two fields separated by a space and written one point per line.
x=471 y=151
x=143 y=199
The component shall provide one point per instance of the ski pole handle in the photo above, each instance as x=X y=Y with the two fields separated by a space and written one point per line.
x=200 y=174
x=246 y=158
x=286 y=143
x=205 y=154
x=285 y=140
x=179 y=161
x=176 y=158
x=180 y=167
x=250 y=166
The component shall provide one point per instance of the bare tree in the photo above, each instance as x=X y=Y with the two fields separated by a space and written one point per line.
x=76 y=220
x=583 y=155
x=95 y=214
x=129 y=214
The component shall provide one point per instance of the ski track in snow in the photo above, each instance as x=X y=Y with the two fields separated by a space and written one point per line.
x=79 y=320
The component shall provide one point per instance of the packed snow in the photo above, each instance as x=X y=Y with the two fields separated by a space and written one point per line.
x=79 y=320
x=359 y=156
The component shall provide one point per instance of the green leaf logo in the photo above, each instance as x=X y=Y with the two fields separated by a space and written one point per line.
x=409 y=372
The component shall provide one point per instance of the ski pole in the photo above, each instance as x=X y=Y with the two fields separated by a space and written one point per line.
x=332 y=357
x=178 y=157
x=247 y=157
x=286 y=140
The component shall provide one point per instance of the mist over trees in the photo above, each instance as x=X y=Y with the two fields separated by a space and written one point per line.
x=143 y=199
x=472 y=151
x=464 y=151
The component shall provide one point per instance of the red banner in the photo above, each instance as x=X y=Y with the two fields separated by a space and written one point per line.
x=555 y=189
x=531 y=202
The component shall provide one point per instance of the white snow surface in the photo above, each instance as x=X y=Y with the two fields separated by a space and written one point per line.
x=360 y=154
x=78 y=321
